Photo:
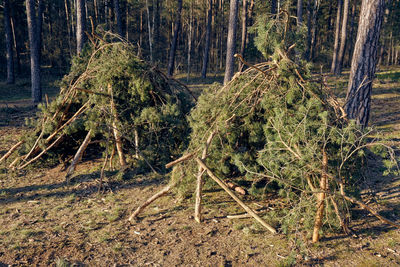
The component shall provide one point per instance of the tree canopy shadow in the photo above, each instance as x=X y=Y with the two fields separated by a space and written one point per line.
x=83 y=185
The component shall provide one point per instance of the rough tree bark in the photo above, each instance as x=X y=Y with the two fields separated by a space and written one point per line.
x=172 y=52
x=9 y=44
x=351 y=37
x=34 y=51
x=337 y=37
x=244 y=30
x=208 y=40
x=343 y=38
x=358 y=99
x=274 y=6
x=231 y=42
x=312 y=28
x=149 y=30
x=299 y=12
x=80 y=25
x=118 y=17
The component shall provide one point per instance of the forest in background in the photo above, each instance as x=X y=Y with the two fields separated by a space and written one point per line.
x=150 y=25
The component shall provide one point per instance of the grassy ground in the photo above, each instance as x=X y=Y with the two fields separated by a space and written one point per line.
x=43 y=221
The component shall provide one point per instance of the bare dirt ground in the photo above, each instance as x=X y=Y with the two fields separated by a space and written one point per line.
x=43 y=221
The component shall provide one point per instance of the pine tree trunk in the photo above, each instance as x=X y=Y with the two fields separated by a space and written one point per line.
x=149 y=31
x=274 y=6
x=299 y=12
x=172 y=52
x=208 y=40
x=118 y=16
x=16 y=46
x=190 y=40
x=80 y=25
x=358 y=99
x=244 y=30
x=9 y=44
x=343 y=38
x=337 y=37
x=231 y=42
x=34 y=51
x=314 y=28
x=351 y=37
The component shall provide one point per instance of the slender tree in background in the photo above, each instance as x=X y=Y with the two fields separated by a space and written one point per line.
x=9 y=44
x=118 y=17
x=149 y=31
x=39 y=24
x=244 y=31
x=312 y=28
x=274 y=6
x=352 y=30
x=80 y=24
x=343 y=38
x=358 y=99
x=208 y=40
x=337 y=37
x=299 y=12
x=172 y=52
x=231 y=42
x=34 y=51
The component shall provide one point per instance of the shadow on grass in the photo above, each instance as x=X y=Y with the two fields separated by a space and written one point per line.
x=83 y=185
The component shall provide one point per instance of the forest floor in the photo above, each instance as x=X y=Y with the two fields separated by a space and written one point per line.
x=43 y=221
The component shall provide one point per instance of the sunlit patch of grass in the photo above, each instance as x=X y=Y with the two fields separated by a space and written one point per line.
x=393 y=75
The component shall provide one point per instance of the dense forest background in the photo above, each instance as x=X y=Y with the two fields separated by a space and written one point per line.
x=150 y=25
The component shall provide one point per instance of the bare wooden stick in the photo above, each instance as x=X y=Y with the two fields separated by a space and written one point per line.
x=237 y=188
x=372 y=211
x=15 y=161
x=342 y=222
x=112 y=157
x=181 y=159
x=72 y=119
x=245 y=215
x=159 y=194
x=321 y=198
x=78 y=156
x=136 y=143
x=200 y=182
x=240 y=202
x=9 y=153
x=117 y=134
x=34 y=147
x=42 y=153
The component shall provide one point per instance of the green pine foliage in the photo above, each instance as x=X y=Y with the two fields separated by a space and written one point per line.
x=145 y=100
x=273 y=122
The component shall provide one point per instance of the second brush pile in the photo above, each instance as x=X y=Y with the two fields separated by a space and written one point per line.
x=115 y=103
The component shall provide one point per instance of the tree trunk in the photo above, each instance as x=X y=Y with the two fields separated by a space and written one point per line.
x=149 y=31
x=208 y=40
x=343 y=38
x=172 y=52
x=9 y=44
x=16 y=46
x=299 y=12
x=80 y=25
x=352 y=23
x=274 y=6
x=244 y=30
x=337 y=37
x=358 y=99
x=34 y=51
x=314 y=28
x=190 y=40
x=231 y=42
x=118 y=16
